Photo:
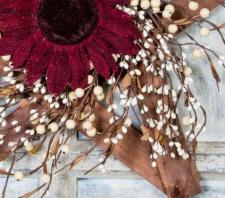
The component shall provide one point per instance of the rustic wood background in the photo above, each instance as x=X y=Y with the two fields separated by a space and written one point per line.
x=118 y=181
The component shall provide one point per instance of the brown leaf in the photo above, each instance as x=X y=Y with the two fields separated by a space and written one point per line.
x=55 y=145
x=7 y=91
x=139 y=84
x=146 y=133
x=3 y=156
x=194 y=147
x=29 y=194
x=36 y=149
x=45 y=169
x=4 y=172
x=157 y=134
x=2 y=65
x=23 y=103
x=77 y=160
x=183 y=22
x=215 y=74
x=126 y=82
x=109 y=95
x=222 y=26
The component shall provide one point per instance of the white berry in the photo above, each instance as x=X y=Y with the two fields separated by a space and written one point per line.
x=145 y=4
x=65 y=149
x=79 y=92
x=101 y=97
x=166 y=14
x=92 y=132
x=40 y=129
x=98 y=90
x=45 y=178
x=186 y=121
x=187 y=71
x=29 y=146
x=204 y=31
x=172 y=28
x=193 y=5
x=6 y=57
x=90 y=79
x=72 y=96
x=53 y=127
x=134 y=3
x=154 y=164
x=70 y=124
x=127 y=122
x=197 y=53
x=155 y=3
x=170 y=8
x=173 y=155
x=204 y=13
x=18 y=175
x=87 y=125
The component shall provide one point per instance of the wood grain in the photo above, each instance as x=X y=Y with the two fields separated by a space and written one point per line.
x=183 y=11
x=131 y=150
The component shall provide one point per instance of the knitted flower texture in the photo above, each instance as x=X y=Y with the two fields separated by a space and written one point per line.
x=64 y=40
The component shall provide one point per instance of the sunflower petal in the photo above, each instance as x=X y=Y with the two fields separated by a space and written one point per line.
x=79 y=65
x=114 y=2
x=59 y=72
x=12 y=38
x=106 y=46
x=7 y=46
x=17 y=8
x=15 y=21
x=114 y=13
x=126 y=31
x=37 y=63
x=99 y=62
x=102 y=49
x=122 y=45
x=23 y=50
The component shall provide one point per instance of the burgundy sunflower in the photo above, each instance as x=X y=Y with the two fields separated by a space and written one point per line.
x=61 y=39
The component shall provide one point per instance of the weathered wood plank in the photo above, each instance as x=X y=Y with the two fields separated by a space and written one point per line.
x=210 y=158
x=204 y=86
x=98 y=188
x=17 y=189
x=76 y=185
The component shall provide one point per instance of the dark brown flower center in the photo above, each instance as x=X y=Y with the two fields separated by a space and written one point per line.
x=67 y=21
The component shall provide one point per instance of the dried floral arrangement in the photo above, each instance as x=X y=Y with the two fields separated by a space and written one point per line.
x=62 y=63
